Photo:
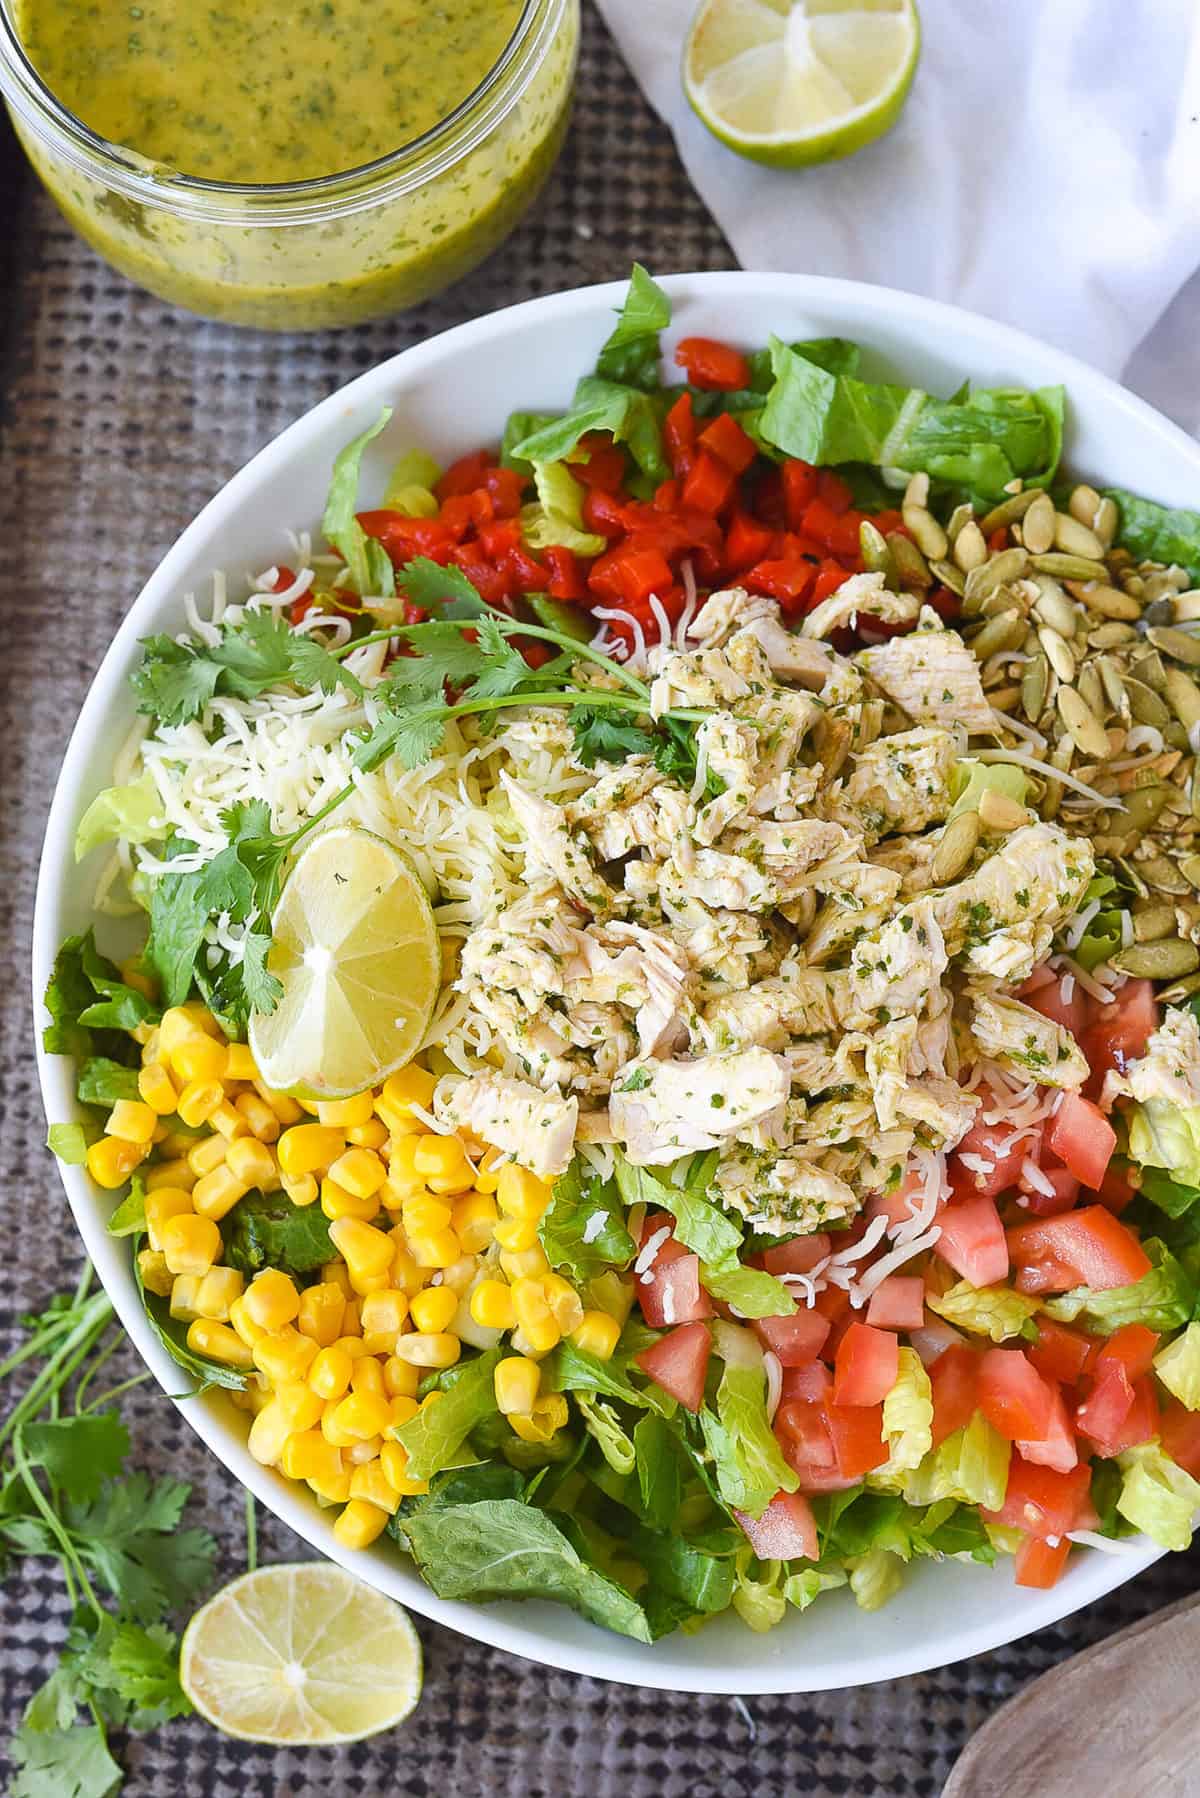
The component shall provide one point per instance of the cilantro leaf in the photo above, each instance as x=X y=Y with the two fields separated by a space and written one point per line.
x=178 y=917
x=63 y=1763
x=143 y=1670
x=175 y=681
x=268 y=1230
x=78 y=1453
x=411 y=736
x=605 y=736
x=427 y=584
x=129 y=1536
x=91 y=1008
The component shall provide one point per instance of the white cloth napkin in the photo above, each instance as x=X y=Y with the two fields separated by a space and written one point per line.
x=1045 y=171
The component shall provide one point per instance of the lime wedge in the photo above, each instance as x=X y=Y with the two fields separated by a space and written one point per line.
x=301 y=1654
x=792 y=82
x=356 y=951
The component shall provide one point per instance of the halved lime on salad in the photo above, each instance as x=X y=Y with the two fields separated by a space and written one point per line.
x=793 y=82
x=301 y=1655
x=356 y=951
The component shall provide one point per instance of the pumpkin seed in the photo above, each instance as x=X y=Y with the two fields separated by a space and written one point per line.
x=1108 y=636
x=1179 y=645
x=1083 y=503
x=1183 y=696
x=950 y=576
x=1163 y=583
x=1091 y=689
x=1035 y=685
x=1109 y=602
x=1194 y=790
x=1148 y=666
x=1004 y=699
x=917 y=491
x=958 y=521
x=1002 y=600
x=1057 y=654
x=1007 y=631
x=1145 y=704
x=997 y=812
x=1086 y=730
x=929 y=536
x=1060 y=756
x=1154 y=923
x=1158 y=961
x=1160 y=612
x=1009 y=565
x=1189 y=867
x=1037 y=526
x=1133 y=583
x=1106 y=520
x=1008 y=511
x=1113 y=685
x=958 y=844
x=912 y=570
x=1054 y=608
x=877 y=557
x=1163 y=875
x=1075 y=539
x=1070 y=567
x=1142 y=807
x=970 y=547
x=1180 y=990
x=1187 y=606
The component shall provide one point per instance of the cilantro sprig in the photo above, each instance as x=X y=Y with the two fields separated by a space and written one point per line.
x=177 y=680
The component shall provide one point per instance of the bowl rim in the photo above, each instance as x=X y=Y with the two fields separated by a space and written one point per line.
x=502 y=1626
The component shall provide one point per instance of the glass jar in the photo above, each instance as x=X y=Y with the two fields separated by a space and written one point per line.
x=331 y=251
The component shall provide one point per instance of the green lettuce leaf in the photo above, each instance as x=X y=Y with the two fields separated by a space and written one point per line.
x=970 y=780
x=1163 y=1299
x=1170 y=1196
x=582 y=1230
x=751 y=1291
x=69 y=1142
x=1178 y=1367
x=759 y=1601
x=908 y=1415
x=801 y=1589
x=436 y=1434
x=631 y=354
x=1157 y=1496
x=132 y=814
x=129 y=1218
x=268 y=1230
x=103 y=1081
x=749 y=1465
x=685 y=1571
x=970 y=1466
x=607 y=1431
x=556 y=517
x=659 y=1475
x=1154 y=533
x=625 y=413
x=368 y=563
x=572 y=1369
x=995 y=1311
x=410 y=486
x=1163 y=1134
x=875 y=1577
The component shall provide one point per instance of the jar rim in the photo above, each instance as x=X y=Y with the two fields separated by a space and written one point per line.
x=422 y=159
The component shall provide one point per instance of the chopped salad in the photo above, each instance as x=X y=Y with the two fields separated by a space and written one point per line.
x=784 y=1165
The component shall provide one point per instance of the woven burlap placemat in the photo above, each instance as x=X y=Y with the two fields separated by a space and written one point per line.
x=120 y=418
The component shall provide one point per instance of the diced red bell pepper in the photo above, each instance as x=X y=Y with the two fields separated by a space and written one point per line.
x=972 y=1241
x=463 y=476
x=712 y=365
x=1041 y=1500
x=786 y=1530
x=499 y=536
x=601 y=465
x=490 y=582
x=406 y=538
x=1039 y=1564
x=746 y=542
x=787 y=579
x=835 y=531
x=830 y=576
x=678 y=1362
x=1013 y=1396
x=1082 y=1138
x=507 y=490
x=799 y=490
x=793 y=1340
x=566 y=577
x=867 y=1365
x=604 y=515
x=679 y=433
x=833 y=491
x=1087 y=1247
x=898 y=1303
x=727 y=441
x=709 y=483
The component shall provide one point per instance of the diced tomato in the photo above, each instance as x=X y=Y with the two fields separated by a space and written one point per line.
x=867 y=1365
x=1062 y=1196
x=786 y=1531
x=972 y=1241
x=679 y=1362
x=1071 y=1013
x=799 y=1255
x=1060 y=1353
x=1087 y=1247
x=709 y=484
x=1040 y=1564
x=954 y=1378
x=811 y=1383
x=673 y=1294
x=1118 y=1031
x=1144 y=1420
x=834 y=1303
x=795 y=1339
x=604 y=466
x=566 y=576
x=1042 y=1500
x=1056 y=1446
x=898 y=1303
x=729 y=443
x=713 y=365
x=858 y=1443
x=1134 y=1346
x=1103 y=1414
x=799 y=490
x=1116 y=1191
x=1179 y=1429
x=932 y=1338
x=463 y=476
x=991 y=1143
x=679 y=432
x=1082 y=1138
x=1013 y=1395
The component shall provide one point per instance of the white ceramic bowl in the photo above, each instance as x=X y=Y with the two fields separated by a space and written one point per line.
x=449 y=395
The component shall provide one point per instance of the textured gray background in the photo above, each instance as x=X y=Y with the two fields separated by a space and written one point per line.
x=120 y=419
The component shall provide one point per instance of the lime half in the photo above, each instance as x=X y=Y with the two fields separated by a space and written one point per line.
x=357 y=954
x=302 y=1655
x=792 y=82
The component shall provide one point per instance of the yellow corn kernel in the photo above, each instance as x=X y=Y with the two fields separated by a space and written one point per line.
x=410 y=1086
x=369 y=1482
x=460 y=1276
x=252 y=1162
x=299 y=1404
x=309 y=1149
x=396 y=1124
x=260 y=1119
x=217 y=1291
x=176 y=1145
x=156 y=1276
x=169 y=1173
x=407 y=1274
x=148 y=1036
x=597 y=1334
x=333 y=1491
x=382 y=1315
x=360 y=1172
x=239 y=1063
x=429 y=1349
x=184 y=1288
x=474 y=1220
x=371 y=1135
x=199 y=1100
x=336 y=1273
x=441 y=1248
x=361 y=1415
x=246 y=1328
x=157 y=1089
x=487 y=1178
x=162 y=1203
x=217 y=1193
x=175 y=1027
x=111 y=1160
x=191 y=1244
x=402 y=1408
x=525 y=1264
x=424 y=1215
x=492 y=1305
x=307 y=1456
x=612 y=1293
x=322 y=1308
x=433 y=1310
x=359 y=1453
x=268 y=1433
x=393 y=1458
x=400 y=1380
x=302 y=1191
x=352 y=1321
x=359 y=1523
x=134 y=975
x=343 y=1112
x=368 y=1377
x=403 y=1177
x=207 y=1154
x=516 y=1233
x=229 y=1121
x=284 y=1354
x=516 y=1383
x=337 y=1202
x=534 y=1316
x=439 y=1155
x=520 y=1193
x=208 y=1336
x=332 y=1430
x=286 y=1109
x=549 y=1414
x=329 y=1375
x=199 y=1058
x=366 y=1251
x=566 y=1306
x=272 y=1300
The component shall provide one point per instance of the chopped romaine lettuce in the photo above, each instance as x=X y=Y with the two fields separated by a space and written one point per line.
x=1154 y=533
x=1163 y=1299
x=908 y=1416
x=435 y=1435
x=970 y=780
x=69 y=1142
x=556 y=517
x=759 y=1602
x=131 y=814
x=1178 y=1367
x=631 y=353
x=995 y=1311
x=367 y=562
x=800 y=1589
x=1163 y=1134
x=1157 y=1496
x=749 y=1465
x=606 y=1430
x=875 y=1577
x=971 y=1466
